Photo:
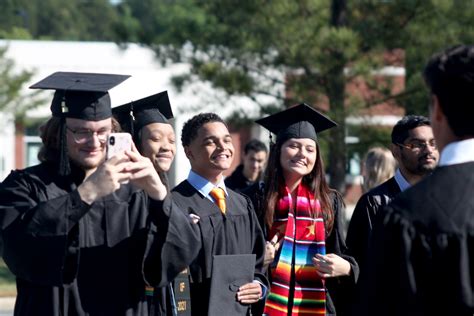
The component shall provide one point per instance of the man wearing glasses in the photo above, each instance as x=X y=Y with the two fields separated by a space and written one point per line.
x=421 y=256
x=75 y=226
x=414 y=148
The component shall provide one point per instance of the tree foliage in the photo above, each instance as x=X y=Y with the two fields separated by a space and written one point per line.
x=11 y=83
x=321 y=46
x=86 y=20
x=292 y=50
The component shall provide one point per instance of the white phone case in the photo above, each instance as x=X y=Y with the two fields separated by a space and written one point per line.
x=117 y=143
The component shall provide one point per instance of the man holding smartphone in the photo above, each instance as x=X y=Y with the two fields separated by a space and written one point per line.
x=74 y=233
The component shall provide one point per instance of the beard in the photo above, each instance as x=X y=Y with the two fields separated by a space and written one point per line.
x=421 y=166
x=87 y=164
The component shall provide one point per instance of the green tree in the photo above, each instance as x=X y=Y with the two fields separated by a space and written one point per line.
x=239 y=45
x=315 y=49
x=11 y=83
x=86 y=20
x=321 y=46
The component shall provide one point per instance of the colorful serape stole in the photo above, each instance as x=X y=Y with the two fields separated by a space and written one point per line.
x=296 y=288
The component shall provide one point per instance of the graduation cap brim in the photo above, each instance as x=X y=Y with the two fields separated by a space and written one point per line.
x=300 y=121
x=81 y=95
x=152 y=109
x=77 y=81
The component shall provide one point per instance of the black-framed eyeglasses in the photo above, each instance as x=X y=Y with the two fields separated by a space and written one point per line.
x=418 y=146
x=83 y=135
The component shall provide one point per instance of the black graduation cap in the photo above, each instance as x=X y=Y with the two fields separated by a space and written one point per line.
x=78 y=95
x=300 y=121
x=81 y=95
x=229 y=272
x=133 y=116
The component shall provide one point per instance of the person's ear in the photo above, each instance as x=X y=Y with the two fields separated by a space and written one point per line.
x=395 y=149
x=188 y=152
x=436 y=111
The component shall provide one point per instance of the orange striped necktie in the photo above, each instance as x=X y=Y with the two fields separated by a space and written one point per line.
x=219 y=197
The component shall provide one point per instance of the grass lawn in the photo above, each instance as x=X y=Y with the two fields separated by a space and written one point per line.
x=7 y=281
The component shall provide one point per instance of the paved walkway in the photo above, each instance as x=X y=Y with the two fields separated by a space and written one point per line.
x=6 y=306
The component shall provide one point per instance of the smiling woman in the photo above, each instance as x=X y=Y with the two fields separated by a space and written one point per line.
x=302 y=219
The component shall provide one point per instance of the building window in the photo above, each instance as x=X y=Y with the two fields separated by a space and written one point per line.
x=33 y=145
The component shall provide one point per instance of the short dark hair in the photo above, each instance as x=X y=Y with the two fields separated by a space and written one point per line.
x=449 y=75
x=192 y=126
x=400 y=131
x=256 y=146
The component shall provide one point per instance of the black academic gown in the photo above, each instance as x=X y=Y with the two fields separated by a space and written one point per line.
x=237 y=181
x=71 y=258
x=339 y=296
x=236 y=232
x=363 y=218
x=421 y=256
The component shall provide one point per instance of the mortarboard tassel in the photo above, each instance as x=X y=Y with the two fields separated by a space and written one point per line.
x=271 y=140
x=64 y=166
x=132 y=121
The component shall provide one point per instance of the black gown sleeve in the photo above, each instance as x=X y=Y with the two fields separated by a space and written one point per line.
x=255 y=193
x=340 y=288
x=360 y=228
x=173 y=243
x=389 y=280
x=413 y=269
x=259 y=250
x=39 y=231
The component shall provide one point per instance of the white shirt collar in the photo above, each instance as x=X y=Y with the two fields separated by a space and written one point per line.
x=401 y=181
x=457 y=152
x=203 y=185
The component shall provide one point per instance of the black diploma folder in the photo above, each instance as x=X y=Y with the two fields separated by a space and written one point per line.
x=229 y=272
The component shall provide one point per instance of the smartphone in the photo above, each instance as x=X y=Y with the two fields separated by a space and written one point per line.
x=117 y=143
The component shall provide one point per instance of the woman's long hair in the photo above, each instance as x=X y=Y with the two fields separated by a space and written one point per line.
x=315 y=181
x=379 y=166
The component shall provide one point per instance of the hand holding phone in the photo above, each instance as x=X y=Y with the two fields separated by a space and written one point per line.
x=117 y=143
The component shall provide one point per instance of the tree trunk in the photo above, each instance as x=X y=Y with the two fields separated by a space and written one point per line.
x=337 y=144
x=336 y=93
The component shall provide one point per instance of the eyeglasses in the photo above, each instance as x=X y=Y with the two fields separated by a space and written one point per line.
x=83 y=135
x=418 y=146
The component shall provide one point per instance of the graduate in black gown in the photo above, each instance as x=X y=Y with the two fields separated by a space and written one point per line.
x=232 y=231
x=148 y=120
x=415 y=161
x=295 y=162
x=252 y=167
x=420 y=261
x=75 y=226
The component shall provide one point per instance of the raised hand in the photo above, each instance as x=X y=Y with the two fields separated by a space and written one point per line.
x=143 y=174
x=106 y=179
x=271 y=248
